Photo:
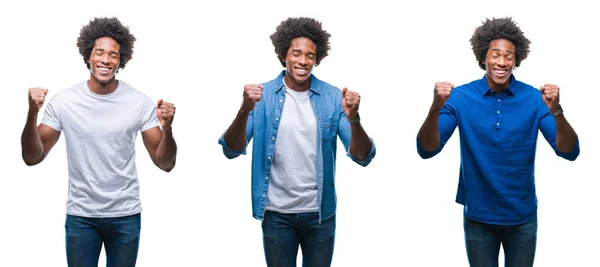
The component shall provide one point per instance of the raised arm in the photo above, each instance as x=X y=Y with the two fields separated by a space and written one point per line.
x=440 y=117
x=360 y=143
x=236 y=137
x=37 y=141
x=160 y=144
x=555 y=127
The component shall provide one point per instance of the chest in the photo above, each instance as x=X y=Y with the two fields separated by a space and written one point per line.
x=101 y=120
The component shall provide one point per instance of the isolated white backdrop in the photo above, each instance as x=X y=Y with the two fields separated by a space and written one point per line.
x=399 y=211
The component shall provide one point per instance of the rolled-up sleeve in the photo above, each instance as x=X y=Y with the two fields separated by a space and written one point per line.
x=446 y=125
x=228 y=152
x=548 y=129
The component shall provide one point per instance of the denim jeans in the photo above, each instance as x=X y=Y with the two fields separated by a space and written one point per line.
x=283 y=233
x=84 y=238
x=483 y=243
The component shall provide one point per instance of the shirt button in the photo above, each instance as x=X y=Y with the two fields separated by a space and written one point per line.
x=267 y=178
x=280 y=100
x=272 y=138
x=498 y=100
x=269 y=157
x=264 y=195
x=276 y=119
x=498 y=111
x=498 y=124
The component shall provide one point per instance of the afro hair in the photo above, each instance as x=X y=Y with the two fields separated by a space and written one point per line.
x=106 y=27
x=499 y=28
x=300 y=27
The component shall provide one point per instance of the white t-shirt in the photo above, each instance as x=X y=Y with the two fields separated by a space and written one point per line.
x=100 y=133
x=293 y=184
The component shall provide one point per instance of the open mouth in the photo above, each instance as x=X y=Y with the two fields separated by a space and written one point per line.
x=501 y=73
x=301 y=71
x=104 y=70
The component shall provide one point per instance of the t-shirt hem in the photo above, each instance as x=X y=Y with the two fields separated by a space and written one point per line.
x=105 y=215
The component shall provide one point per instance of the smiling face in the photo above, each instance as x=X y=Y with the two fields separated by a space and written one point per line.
x=499 y=64
x=104 y=60
x=299 y=62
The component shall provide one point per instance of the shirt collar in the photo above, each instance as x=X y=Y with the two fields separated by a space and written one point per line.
x=315 y=84
x=485 y=89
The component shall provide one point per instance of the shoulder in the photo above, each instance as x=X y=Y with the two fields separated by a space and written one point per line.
x=133 y=93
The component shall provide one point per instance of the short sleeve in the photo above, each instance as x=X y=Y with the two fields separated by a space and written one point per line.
x=52 y=113
x=149 y=119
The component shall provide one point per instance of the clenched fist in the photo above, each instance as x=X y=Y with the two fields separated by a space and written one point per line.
x=165 y=112
x=252 y=94
x=37 y=96
x=350 y=103
x=441 y=93
x=551 y=96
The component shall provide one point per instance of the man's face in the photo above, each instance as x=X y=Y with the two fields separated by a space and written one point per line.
x=299 y=62
x=104 y=60
x=499 y=63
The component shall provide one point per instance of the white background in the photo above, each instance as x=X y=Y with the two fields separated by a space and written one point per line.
x=398 y=211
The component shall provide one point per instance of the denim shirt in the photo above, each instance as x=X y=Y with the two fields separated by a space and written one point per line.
x=263 y=123
x=498 y=139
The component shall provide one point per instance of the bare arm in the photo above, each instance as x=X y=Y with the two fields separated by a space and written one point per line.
x=36 y=142
x=235 y=135
x=566 y=138
x=429 y=135
x=161 y=147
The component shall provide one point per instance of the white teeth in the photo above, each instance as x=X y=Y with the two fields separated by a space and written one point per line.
x=104 y=69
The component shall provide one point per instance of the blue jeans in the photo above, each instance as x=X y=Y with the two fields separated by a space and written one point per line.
x=84 y=238
x=283 y=233
x=483 y=243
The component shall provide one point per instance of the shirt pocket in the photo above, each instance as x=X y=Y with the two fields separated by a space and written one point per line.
x=328 y=129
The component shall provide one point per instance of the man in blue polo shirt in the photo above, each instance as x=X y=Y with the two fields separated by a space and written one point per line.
x=295 y=120
x=498 y=119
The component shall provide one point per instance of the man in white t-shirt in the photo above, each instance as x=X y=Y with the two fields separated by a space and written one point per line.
x=101 y=118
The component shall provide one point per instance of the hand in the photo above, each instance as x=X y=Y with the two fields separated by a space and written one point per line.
x=350 y=103
x=550 y=95
x=165 y=112
x=252 y=94
x=37 y=96
x=441 y=93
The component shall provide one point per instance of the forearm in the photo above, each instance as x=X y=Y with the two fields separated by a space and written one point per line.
x=360 y=145
x=429 y=135
x=566 y=138
x=32 y=149
x=235 y=135
x=167 y=150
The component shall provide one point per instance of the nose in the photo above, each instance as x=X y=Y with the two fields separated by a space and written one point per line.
x=104 y=58
x=303 y=60
x=502 y=61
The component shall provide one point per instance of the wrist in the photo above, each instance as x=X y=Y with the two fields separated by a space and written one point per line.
x=356 y=119
x=558 y=111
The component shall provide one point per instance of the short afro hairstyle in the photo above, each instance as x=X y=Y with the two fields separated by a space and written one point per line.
x=300 y=27
x=106 y=27
x=499 y=28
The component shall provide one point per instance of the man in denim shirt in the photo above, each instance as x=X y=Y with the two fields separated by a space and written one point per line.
x=498 y=119
x=294 y=120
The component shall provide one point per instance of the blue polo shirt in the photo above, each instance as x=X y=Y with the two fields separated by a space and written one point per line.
x=498 y=138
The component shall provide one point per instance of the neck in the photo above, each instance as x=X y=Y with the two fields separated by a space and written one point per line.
x=102 y=88
x=291 y=83
x=497 y=87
